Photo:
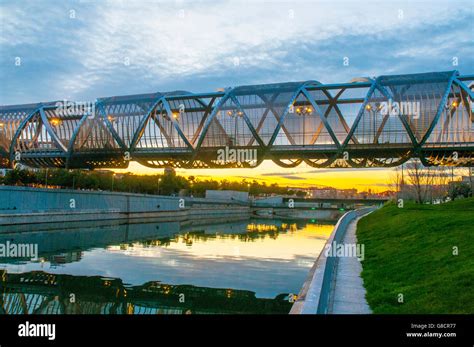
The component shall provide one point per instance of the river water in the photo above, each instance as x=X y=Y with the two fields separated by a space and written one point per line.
x=251 y=266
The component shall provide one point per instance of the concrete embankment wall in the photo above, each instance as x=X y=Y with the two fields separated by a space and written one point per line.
x=315 y=294
x=14 y=199
x=21 y=207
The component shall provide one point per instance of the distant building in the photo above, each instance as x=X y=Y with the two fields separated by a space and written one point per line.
x=333 y=193
x=387 y=193
x=320 y=193
x=231 y=195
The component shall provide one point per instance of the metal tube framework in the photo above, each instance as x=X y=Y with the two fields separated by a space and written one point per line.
x=368 y=122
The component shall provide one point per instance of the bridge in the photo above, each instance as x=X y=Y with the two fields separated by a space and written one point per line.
x=38 y=292
x=367 y=122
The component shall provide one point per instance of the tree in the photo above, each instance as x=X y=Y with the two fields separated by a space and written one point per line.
x=300 y=194
x=458 y=189
x=420 y=179
x=169 y=183
x=397 y=180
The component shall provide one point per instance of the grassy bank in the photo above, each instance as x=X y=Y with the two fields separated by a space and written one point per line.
x=409 y=251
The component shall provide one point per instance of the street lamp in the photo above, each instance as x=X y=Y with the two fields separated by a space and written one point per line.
x=159 y=180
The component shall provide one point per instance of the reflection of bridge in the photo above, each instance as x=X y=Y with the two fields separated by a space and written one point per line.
x=365 y=123
x=43 y=293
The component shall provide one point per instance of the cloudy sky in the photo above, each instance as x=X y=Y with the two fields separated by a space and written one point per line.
x=81 y=50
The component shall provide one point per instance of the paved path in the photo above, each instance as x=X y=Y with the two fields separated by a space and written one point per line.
x=349 y=292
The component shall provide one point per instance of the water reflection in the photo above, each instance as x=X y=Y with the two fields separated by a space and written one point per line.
x=241 y=267
x=42 y=293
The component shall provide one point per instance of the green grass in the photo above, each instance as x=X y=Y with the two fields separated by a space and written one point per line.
x=409 y=251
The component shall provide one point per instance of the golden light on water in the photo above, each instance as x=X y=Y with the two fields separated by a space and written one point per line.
x=281 y=244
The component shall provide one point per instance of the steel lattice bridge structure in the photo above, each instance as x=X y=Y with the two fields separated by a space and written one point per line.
x=367 y=122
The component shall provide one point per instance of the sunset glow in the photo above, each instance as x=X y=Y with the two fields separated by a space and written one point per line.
x=303 y=176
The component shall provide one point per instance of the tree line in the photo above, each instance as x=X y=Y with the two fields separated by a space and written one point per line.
x=163 y=184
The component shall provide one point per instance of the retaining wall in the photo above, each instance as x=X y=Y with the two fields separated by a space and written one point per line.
x=21 y=208
x=314 y=296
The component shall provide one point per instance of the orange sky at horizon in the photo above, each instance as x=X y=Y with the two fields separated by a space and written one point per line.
x=302 y=176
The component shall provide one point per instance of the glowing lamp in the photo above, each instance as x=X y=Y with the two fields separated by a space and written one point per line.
x=55 y=121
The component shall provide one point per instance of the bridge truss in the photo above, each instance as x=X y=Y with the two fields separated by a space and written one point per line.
x=368 y=122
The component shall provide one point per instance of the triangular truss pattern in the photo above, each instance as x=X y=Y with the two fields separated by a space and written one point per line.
x=367 y=122
x=94 y=136
x=456 y=122
x=160 y=131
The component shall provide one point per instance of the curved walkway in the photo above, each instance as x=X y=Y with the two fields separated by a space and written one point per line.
x=334 y=285
x=348 y=293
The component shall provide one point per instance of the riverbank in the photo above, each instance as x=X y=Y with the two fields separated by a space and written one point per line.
x=26 y=208
x=318 y=294
x=419 y=258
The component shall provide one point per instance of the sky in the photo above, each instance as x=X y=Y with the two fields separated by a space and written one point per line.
x=83 y=50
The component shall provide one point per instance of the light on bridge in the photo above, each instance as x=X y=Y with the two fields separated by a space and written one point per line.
x=303 y=111
x=233 y=113
x=55 y=122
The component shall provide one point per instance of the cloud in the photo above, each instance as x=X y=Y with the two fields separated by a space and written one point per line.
x=119 y=47
x=286 y=175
